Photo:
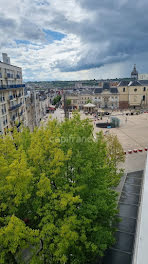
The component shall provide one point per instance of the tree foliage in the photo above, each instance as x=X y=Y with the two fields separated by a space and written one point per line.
x=56 y=189
x=57 y=99
x=68 y=102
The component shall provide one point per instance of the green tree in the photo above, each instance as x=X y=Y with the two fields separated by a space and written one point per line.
x=115 y=157
x=57 y=99
x=56 y=190
x=68 y=102
x=89 y=101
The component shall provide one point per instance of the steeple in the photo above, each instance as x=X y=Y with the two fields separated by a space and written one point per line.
x=134 y=73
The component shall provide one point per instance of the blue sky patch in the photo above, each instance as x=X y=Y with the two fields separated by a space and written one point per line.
x=19 y=41
x=53 y=35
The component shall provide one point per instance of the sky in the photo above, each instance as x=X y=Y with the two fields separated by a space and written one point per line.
x=75 y=39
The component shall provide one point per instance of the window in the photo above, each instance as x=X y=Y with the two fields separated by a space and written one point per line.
x=123 y=89
x=135 y=90
x=143 y=97
x=144 y=89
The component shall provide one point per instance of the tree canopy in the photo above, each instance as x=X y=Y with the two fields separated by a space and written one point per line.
x=57 y=99
x=57 y=199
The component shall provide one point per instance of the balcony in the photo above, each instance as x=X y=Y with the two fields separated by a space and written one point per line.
x=11 y=97
x=15 y=86
x=14 y=107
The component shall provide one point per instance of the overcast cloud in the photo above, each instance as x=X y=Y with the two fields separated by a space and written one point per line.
x=75 y=39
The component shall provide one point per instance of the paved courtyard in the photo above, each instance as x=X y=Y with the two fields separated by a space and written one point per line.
x=132 y=134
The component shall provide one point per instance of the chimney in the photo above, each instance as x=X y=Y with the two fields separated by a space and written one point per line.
x=6 y=59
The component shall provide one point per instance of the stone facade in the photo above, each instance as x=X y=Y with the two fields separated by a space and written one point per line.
x=133 y=94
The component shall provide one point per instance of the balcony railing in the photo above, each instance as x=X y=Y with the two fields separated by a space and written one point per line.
x=14 y=107
x=11 y=97
x=5 y=87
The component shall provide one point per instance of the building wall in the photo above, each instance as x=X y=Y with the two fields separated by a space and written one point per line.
x=143 y=76
x=12 y=109
x=106 y=99
x=133 y=96
x=136 y=96
x=74 y=100
x=84 y=99
x=30 y=112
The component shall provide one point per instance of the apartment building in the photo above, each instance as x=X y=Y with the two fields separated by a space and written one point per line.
x=12 y=109
x=30 y=110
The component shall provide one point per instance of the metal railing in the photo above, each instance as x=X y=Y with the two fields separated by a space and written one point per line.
x=15 y=107
x=5 y=87
x=11 y=97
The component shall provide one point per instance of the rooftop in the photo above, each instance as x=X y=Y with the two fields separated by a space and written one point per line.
x=1 y=62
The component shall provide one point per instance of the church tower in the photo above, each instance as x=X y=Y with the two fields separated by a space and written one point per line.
x=134 y=73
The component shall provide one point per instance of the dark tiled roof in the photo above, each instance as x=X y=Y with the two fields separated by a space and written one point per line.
x=113 y=90
x=106 y=86
x=135 y=83
x=98 y=90
x=124 y=83
x=143 y=82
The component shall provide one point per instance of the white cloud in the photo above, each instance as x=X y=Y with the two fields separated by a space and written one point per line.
x=96 y=32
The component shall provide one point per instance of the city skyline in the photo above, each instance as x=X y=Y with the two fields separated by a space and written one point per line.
x=75 y=40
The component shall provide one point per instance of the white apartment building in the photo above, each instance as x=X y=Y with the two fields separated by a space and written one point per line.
x=12 y=110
